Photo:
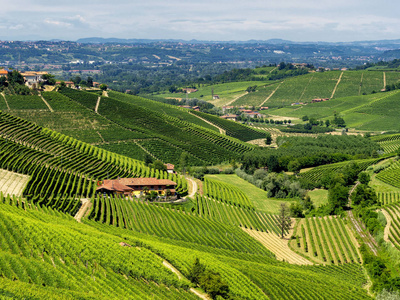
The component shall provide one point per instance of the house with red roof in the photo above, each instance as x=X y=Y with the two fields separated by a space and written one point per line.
x=136 y=186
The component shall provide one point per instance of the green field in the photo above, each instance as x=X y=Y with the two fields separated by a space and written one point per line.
x=257 y=196
x=375 y=112
x=318 y=197
x=226 y=91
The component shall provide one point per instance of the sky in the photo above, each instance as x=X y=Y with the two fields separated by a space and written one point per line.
x=216 y=20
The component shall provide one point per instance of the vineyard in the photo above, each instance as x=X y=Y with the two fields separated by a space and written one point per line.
x=60 y=166
x=390 y=175
x=233 y=129
x=393 y=210
x=386 y=198
x=318 y=172
x=189 y=137
x=389 y=143
x=325 y=240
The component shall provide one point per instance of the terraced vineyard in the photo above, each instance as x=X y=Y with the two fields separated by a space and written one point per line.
x=393 y=210
x=325 y=240
x=51 y=262
x=388 y=197
x=60 y=165
x=226 y=193
x=391 y=175
x=150 y=219
x=167 y=128
x=233 y=129
x=389 y=143
x=318 y=172
x=237 y=216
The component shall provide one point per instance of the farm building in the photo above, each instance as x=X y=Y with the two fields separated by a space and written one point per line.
x=230 y=117
x=319 y=100
x=33 y=77
x=170 y=168
x=215 y=97
x=3 y=72
x=189 y=90
x=136 y=186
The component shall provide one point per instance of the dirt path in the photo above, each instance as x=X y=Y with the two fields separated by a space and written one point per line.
x=180 y=277
x=337 y=83
x=305 y=88
x=4 y=96
x=387 y=227
x=173 y=269
x=364 y=234
x=105 y=94
x=86 y=204
x=270 y=95
x=45 y=102
x=193 y=185
x=234 y=99
x=199 y=294
x=359 y=90
x=221 y=131
x=97 y=105
x=278 y=246
x=384 y=80
x=100 y=136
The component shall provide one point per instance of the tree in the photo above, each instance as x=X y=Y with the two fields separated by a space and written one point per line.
x=337 y=198
x=284 y=221
x=364 y=196
x=103 y=87
x=89 y=81
x=158 y=164
x=364 y=178
x=296 y=210
x=214 y=285
x=327 y=123
x=294 y=166
x=268 y=138
x=148 y=159
x=196 y=271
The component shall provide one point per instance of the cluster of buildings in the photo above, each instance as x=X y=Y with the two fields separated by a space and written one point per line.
x=246 y=113
x=30 y=78
x=136 y=187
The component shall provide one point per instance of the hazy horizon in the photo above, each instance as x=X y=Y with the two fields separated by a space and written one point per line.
x=305 y=21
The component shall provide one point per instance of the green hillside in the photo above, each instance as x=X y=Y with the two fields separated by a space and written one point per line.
x=303 y=88
x=375 y=112
x=131 y=126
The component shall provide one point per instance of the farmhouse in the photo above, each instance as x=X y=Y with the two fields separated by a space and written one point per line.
x=189 y=90
x=33 y=77
x=170 y=168
x=3 y=72
x=253 y=114
x=230 y=117
x=319 y=100
x=67 y=83
x=136 y=186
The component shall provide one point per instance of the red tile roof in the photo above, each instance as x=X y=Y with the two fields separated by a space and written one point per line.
x=145 y=181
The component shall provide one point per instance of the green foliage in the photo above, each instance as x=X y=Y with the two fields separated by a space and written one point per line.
x=337 y=199
x=364 y=196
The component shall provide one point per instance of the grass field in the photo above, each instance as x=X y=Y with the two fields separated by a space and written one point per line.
x=226 y=92
x=257 y=196
x=318 y=197
x=374 y=112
